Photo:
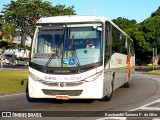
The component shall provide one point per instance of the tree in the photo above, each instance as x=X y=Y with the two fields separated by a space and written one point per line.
x=7 y=33
x=128 y=26
x=124 y=23
x=146 y=35
x=151 y=29
x=134 y=30
x=156 y=13
x=142 y=47
x=24 y=14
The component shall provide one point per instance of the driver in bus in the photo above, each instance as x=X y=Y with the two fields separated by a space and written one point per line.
x=90 y=45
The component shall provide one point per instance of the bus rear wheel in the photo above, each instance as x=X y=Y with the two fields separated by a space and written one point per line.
x=126 y=85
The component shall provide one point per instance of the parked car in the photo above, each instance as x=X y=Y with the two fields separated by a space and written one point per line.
x=20 y=61
x=6 y=61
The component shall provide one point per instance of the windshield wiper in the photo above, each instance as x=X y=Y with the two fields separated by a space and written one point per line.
x=75 y=55
x=49 y=60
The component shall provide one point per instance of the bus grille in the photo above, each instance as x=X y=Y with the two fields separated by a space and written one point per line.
x=68 y=84
x=62 y=92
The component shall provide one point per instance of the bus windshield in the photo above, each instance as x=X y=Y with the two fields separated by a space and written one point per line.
x=67 y=45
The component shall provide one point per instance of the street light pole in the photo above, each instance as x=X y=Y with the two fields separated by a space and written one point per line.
x=153 y=59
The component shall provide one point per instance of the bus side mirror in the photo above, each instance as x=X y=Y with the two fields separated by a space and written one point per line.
x=109 y=38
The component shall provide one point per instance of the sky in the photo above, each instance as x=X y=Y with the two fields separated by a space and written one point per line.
x=138 y=10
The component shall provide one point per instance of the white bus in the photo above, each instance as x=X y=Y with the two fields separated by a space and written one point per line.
x=79 y=57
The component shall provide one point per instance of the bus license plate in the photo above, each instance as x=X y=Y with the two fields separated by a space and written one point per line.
x=62 y=97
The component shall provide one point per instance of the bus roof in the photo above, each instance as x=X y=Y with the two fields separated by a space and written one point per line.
x=71 y=19
x=75 y=19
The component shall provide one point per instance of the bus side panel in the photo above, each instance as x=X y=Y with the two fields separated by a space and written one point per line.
x=117 y=69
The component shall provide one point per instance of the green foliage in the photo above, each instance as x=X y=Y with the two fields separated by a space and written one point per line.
x=60 y=10
x=124 y=23
x=146 y=35
x=118 y=41
x=151 y=29
x=155 y=72
x=156 y=13
x=23 y=14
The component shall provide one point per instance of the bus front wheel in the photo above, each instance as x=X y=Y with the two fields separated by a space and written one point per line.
x=107 y=98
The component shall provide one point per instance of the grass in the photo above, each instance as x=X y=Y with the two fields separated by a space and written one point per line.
x=11 y=81
x=150 y=67
x=155 y=72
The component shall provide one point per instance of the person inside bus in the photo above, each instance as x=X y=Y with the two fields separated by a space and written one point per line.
x=90 y=44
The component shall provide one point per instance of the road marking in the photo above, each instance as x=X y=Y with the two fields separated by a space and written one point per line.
x=144 y=107
x=16 y=94
x=113 y=118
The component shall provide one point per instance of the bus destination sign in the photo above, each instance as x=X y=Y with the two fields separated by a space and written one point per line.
x=58 y=27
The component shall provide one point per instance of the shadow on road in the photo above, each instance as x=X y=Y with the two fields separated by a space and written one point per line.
x=50 y=100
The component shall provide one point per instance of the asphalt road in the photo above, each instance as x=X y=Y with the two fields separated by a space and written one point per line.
x=9 y=66
x=143 y=90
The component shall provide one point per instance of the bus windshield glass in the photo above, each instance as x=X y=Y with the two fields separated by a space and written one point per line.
x=67 y=45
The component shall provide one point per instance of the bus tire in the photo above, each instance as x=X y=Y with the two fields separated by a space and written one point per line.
x=29 y=99
x=27 y=94
x=107 y=98
x=126 y=85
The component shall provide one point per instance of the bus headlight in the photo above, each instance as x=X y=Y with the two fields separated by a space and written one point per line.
x=93 y=77
x=34 y=77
